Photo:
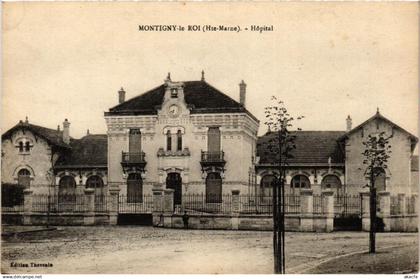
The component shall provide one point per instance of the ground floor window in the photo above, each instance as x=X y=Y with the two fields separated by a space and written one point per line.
x=24 y=178
x=213 y=188
x=267 y=185
x=299 y=182
x=67 y=189
x=134 y=188
x=95 y=182
x=380 y=179
x=332 y=182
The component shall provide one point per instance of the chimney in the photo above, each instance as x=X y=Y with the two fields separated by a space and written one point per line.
x=242 y=93
x=348 y=123
x=58 y=128
x=121 y=96
x=66 y=131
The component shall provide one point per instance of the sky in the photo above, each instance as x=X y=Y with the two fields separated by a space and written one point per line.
x=324 y=60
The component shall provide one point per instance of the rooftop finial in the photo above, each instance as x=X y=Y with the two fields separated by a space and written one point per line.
x=26 y=119
x=168 y=78
x=377 y=110
x=87 y=132
x=58 y=128
x=202 y=75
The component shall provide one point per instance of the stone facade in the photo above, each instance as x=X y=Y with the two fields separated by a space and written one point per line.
x=38 y=160
x=238 y=136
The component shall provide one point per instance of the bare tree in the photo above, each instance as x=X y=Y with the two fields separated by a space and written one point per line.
x=279 y=147
x=376 y=154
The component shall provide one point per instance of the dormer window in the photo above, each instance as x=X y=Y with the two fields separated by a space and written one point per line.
x=174 y=93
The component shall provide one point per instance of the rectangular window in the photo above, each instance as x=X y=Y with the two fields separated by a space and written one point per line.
x=174 y=93
x=179 y=140
x=134 y=141
x=213 y=141
x=168 y=141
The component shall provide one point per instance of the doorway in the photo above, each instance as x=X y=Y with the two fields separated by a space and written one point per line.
x=174 y=181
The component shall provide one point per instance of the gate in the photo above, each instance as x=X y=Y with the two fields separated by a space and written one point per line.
x=348 y=213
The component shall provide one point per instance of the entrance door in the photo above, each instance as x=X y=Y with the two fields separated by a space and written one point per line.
x=174 y=181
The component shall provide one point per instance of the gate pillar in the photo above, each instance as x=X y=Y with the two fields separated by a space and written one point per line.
x=385 y=209
x=89 y=203
x=169 y=201
x=306 y=210
x=328 y=202
x=365 y=196
x=27 y=206
x=113 y=204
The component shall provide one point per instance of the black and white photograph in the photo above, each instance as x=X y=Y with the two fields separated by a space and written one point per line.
x=210 y=138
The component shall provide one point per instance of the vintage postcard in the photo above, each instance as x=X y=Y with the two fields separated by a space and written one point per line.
x=210 y=138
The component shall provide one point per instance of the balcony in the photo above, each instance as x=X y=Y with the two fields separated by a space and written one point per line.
x=133 y=160
x=212 y=160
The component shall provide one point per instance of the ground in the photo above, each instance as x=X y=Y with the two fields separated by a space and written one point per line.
x=130 y=249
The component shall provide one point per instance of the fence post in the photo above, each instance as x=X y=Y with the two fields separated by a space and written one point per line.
x=169 y=200
x=328 y=204
x=89 y=204
x=235 y=209
x=157 y=206
x=306 y=210
x=365 y=203
x=385 y=209
x=113 y=204
x=27 y=206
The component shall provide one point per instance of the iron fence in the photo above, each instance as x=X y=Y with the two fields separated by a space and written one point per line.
x=205 y=204
x=318 y=205
x=246 y=204
x=347 y=205
x=58 y=203
x=101 y=203
x=135 y=204
x=411 y=205
x=395 y=205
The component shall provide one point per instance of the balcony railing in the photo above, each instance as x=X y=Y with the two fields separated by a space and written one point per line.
x=212 y=156
x=133 y=157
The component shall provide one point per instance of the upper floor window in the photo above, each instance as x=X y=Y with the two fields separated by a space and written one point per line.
x=179 y=140
x=134 y=141
x=174 y=93
x=27 y=146
x=213 y=139
x=168 y=141
x=24 y=146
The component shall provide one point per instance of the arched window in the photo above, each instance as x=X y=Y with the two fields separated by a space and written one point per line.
x=27 y=146
x=95 y=182
x=134 y=188
x=299 y=182
x=380 y=178
x=213 y=188
x=67 y=189
x=179 y=140
x=267 y=185
x=24 y=178
x=333 y=183
x=168 y=141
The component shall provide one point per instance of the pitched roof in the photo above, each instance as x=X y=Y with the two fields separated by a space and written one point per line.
x=312 y=148
x=378 y=115
x=414 y=163
x=52 y=136
x=89 y=151
x=200 y=96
